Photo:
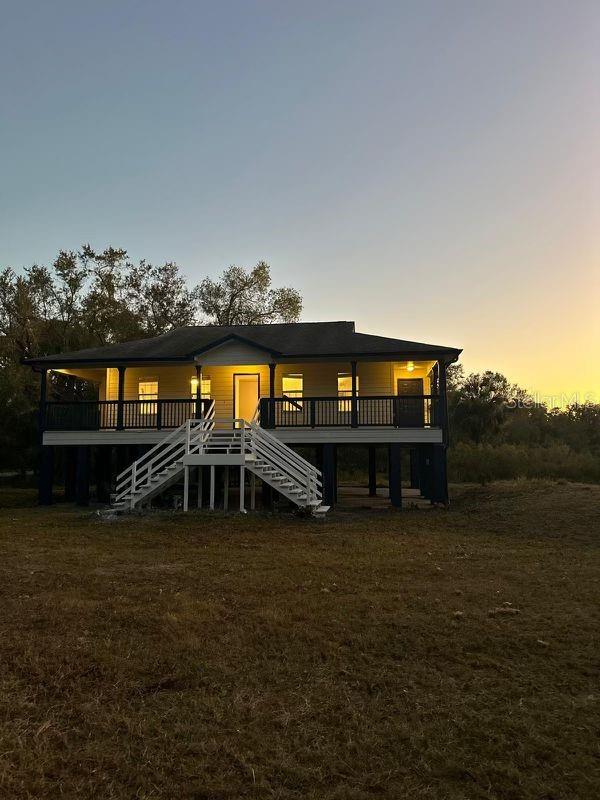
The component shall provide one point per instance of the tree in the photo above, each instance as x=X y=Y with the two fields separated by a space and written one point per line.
x=87 y=298
x=160 y=299
x=245 y=297
x=479 y=404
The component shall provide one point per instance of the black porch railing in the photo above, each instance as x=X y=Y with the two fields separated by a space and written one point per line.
x=99 y=415
x=401 y=411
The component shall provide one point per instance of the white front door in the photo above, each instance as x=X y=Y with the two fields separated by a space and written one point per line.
x=246 y=391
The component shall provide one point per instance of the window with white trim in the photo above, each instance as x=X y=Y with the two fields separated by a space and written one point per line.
x=148 y=391
x=204 y=388
x=344 y=389
x=292 y=386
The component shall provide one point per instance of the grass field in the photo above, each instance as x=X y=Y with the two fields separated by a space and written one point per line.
x=423 y=654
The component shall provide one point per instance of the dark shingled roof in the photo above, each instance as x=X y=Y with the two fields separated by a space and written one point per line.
x=300 y=339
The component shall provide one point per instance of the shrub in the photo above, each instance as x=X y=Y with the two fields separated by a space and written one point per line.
x=483 y=463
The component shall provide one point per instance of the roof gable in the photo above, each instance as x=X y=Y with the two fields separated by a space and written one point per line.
x=234 y=350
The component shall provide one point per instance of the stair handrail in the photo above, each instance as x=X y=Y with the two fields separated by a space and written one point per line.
x=283 y=452
x=168 y=450
x=287 y=461
x=140 y=474
x=170 y=437
x=277 y=443
x=306 y=478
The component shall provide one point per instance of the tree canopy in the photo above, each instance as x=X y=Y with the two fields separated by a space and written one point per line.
x=245 y=297
x=88 y=298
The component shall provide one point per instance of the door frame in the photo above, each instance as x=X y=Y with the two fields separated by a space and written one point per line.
x=241 y=375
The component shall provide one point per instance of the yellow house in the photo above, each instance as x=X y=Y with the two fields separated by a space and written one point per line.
x=322 y=385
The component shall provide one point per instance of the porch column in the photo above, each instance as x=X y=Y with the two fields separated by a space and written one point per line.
x=372 y=470
x=443 y=401
x=120 y=396
x=272 y=395
x=395 y=475
x=198 y=391
x=354 y=401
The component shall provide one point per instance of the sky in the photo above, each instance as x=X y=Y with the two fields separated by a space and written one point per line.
x=430 y=170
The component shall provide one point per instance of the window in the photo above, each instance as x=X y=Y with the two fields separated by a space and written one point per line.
x=148 y=390
x=204 y=388
x=345 y=390
x=292 y=386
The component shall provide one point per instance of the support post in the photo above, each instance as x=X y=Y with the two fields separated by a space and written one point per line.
x=70 y=473
x=439 y=475
x=267 y=496
x=46 y=476
x=372 y=470
x=212 y=488
x=329 y=474
x=205 y=485
x=226 y=489
x=272 y=395
x=186 y=487
x=199 y=498
x=395 y=475
x=252 y=491
x=103 y=463
x=425 y=469
x=120 y=398
x=82 y=487
x=414 y=468
x=354 y=400
x=242 y=488
x=198 y=391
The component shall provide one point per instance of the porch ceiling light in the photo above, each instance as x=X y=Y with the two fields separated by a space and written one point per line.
x=410 y=365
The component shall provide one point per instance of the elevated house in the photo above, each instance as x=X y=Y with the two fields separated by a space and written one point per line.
x=193 y=410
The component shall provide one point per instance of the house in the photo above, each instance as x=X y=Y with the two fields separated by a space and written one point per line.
x=189 y=407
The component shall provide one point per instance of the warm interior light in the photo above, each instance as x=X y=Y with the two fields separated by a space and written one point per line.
x=410 y=365
x=204 y=388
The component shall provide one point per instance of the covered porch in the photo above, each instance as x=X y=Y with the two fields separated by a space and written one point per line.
x=303 y=396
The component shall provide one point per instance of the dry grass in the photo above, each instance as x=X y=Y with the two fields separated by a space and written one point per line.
x=367 y=656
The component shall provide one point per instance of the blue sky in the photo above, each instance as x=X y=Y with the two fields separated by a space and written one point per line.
x=429 y=169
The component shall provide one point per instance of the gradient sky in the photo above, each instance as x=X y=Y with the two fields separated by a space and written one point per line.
x=428 y=169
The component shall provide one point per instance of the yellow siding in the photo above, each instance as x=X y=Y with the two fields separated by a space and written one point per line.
x=320 y=379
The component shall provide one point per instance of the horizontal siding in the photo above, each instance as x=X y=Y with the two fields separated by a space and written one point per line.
x=320 y=379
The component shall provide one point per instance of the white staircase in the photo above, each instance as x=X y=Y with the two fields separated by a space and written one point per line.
x=210 y=442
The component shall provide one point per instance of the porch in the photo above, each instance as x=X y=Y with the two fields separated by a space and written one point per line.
x=366 y=402
x=395 y=411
